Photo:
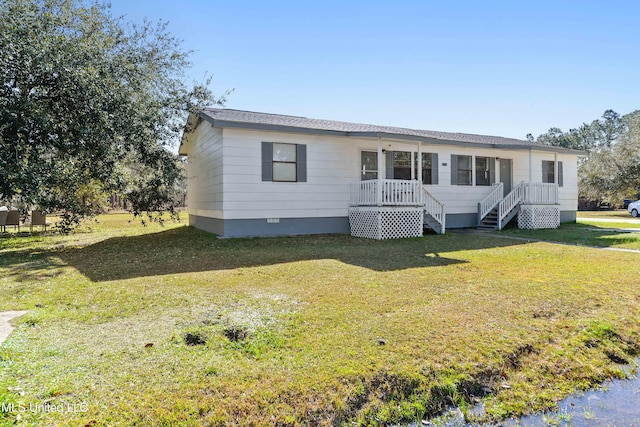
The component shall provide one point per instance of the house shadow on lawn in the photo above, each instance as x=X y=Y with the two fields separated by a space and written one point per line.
x=186 y=250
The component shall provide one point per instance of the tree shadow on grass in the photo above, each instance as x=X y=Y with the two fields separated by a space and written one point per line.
x=185 y=250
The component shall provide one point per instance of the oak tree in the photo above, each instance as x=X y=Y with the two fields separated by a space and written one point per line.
x=90 y=104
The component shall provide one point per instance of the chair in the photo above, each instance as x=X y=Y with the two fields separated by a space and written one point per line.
x=38 y=218
x=13 y=218
x=3 y=220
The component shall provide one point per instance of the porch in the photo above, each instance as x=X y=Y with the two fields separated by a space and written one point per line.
x=535 y=203
x=393 y=208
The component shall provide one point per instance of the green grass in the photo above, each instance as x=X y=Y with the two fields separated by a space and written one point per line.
x=618 y=213
x=169 y=326
x=606 y=234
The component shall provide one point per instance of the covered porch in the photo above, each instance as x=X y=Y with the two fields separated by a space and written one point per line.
x=382 y=208
x=391 y=208
x=402 y=191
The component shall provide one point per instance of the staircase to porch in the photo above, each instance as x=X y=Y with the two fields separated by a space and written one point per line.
x=495 y=211
x=434 y=212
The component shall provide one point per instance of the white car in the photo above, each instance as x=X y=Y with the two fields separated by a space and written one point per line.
x=634 y=209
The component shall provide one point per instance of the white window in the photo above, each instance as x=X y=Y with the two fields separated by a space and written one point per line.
x=461 y=170
x=284 y=162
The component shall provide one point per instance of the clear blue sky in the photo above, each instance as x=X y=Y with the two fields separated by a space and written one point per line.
x=491 y=67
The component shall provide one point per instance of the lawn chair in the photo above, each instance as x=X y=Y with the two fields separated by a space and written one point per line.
x=3 y=220
x=13 y=218
x=38 y=218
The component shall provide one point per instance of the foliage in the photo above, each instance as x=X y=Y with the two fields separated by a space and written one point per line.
x=84 y=98
x=597 y=134
x=611 y=171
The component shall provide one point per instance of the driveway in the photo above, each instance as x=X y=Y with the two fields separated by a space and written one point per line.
x=5 y=327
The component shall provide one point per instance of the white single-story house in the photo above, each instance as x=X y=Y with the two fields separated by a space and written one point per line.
x=259 y=174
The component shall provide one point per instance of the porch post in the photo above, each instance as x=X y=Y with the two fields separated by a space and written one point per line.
x=413 y=162
x=380 y=169
x=419 y=177
x=555 y=168
x=530 y=165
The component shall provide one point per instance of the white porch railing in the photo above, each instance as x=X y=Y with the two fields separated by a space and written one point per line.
x=395 y=192
x=364 y=193
x=435 y=208
x=534 y=193
x=539 y=193
x=510 y=201
x=488 y=203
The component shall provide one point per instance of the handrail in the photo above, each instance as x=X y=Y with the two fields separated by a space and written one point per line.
x=435 y=208
x=488 y=203
x=510 y=201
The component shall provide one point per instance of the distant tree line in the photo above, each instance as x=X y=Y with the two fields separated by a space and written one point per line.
x=610 y=171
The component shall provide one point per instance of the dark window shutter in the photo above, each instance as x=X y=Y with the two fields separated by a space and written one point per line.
x=454 y=169
x=434 y=168
x=267 y=161
x=560 y=174
x=388 y=159
x=301 y=157
x=492 y=170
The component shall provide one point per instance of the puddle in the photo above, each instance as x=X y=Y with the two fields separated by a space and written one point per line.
x=616 y=403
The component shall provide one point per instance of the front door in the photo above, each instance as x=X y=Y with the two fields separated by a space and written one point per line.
x=369 y=164
x=505 y=175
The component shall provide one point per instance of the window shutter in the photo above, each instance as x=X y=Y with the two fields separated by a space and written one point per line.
x=301 y=157
x=492 y=170
x=267 y=161
x=388 y=161
x=434 y=169
x=454 y=169
x=560 y=174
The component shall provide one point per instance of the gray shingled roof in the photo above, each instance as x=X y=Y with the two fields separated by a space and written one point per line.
x=253 y=120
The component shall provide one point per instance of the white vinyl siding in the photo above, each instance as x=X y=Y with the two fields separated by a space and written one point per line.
x=205 y=173
x=332 y=164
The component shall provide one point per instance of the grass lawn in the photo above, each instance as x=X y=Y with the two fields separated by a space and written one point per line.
x=618 y=213
x=588 y=231
x=169 y=326
x=613 y=219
